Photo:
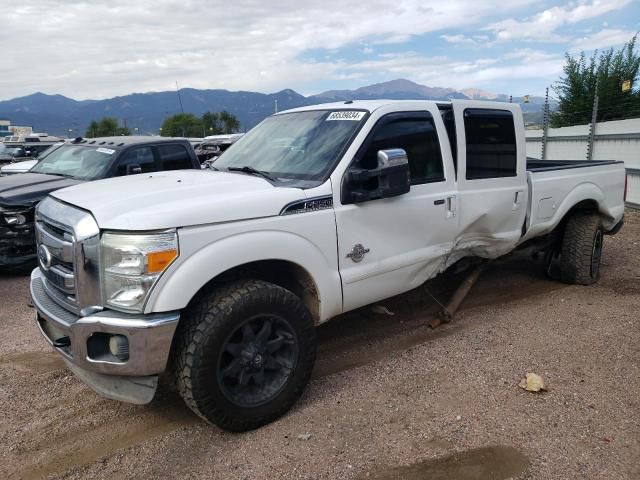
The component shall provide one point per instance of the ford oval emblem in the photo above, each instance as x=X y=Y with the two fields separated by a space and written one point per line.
x=44 y=255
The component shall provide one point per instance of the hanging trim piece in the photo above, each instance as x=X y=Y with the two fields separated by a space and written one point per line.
x=308 y=205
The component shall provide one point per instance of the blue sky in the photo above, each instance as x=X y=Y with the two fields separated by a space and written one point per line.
x=90 y=49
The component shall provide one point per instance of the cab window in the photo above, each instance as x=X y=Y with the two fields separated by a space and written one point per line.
x=491 y=143
x=416 y=135
x=141 y=156
x=174 y=157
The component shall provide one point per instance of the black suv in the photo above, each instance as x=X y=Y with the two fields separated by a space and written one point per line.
x=80 y=161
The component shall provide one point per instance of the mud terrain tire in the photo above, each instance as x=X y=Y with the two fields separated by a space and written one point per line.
x=244 y=353
x=581 y=249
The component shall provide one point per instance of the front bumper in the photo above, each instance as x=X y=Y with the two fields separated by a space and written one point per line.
x=149 y=337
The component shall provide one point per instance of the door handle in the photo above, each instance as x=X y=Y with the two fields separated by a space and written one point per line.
x=517 y=200
x=439 y=202
x=451 y=206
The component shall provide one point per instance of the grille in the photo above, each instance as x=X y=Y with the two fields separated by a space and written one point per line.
x=56 y=260
x=68 y=240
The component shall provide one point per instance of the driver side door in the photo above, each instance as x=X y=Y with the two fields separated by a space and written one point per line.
x=388 y=246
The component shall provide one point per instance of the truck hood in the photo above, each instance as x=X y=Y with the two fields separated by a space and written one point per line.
x=178 y=199
x=29 y=188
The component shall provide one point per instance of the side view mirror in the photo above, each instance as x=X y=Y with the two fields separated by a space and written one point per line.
x=133 y=169
x=389 y=179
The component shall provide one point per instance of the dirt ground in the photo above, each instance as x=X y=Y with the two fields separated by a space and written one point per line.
x=390 y=397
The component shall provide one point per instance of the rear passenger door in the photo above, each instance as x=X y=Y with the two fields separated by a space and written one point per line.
x=491 y=171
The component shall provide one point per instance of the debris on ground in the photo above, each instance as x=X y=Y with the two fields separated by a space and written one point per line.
x=304 y=436
x=382 y=310
x=533 y=383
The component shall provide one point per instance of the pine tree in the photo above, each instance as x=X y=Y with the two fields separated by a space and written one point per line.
x=608 y=70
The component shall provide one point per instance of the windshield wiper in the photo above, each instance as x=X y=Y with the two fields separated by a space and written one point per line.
x=57 y=174
x=248 y=169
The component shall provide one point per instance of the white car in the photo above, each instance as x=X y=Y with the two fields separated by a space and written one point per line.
x=18 y=167
x=317 y=211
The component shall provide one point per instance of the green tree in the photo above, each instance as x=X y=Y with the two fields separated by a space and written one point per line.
x=216 y=123
x=607 y=70
x=230 y=123
x=211 y=123
x=106 y=127
x=182 y=125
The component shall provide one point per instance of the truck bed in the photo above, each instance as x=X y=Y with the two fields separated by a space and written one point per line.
x=556 y=186
x=537 y=165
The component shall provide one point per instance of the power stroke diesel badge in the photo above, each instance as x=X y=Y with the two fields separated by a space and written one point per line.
x=358 y=253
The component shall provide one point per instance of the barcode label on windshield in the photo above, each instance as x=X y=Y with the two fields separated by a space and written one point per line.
x=345 y=115
x=105 y=150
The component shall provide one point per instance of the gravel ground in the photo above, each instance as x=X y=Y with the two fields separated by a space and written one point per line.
x=390 y=397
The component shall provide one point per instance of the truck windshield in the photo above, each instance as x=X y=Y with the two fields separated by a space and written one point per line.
x=76 y=161
x=299 y=145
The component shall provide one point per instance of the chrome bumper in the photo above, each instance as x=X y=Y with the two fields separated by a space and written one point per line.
x=149 y=339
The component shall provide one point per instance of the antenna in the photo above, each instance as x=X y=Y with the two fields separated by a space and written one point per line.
x=179 y=98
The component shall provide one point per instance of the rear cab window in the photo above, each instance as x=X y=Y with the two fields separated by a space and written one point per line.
x=174 y=157
x=490 y=144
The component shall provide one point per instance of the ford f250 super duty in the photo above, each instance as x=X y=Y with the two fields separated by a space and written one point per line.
x=221 y=276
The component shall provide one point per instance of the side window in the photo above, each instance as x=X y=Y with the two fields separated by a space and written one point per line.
x=415 y=135
x=491 y=144
x=142 y=156
x=174 y=157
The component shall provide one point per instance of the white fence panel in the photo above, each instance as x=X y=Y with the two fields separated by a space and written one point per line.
x=633 y=187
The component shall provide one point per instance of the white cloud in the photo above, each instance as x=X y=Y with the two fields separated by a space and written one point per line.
x=543 y=26
x=91 y=49
x=482 y=72
x=458 y=39
x=604 y=39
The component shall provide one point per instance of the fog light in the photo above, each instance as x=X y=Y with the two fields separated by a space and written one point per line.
x=119 y=347
x=15 y=219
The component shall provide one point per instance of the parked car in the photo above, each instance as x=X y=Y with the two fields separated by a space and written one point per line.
x=23 y=166
x=17 y=167
x=19 y=148
x=72 y=163
x=214 y=146
x=317 y=211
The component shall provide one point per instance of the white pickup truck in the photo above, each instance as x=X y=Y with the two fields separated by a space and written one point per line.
x=220 y=277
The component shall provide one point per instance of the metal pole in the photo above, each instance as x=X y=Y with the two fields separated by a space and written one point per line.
x=545 y=125
x=179 y=97
x=592 y=125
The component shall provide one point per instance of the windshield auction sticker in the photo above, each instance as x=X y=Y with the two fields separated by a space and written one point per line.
x=105 y=150
x=346 y=115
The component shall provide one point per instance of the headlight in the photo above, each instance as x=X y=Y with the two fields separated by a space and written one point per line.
x=132 y=264
x=13 y=216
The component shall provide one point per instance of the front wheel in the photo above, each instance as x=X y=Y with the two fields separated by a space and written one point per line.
x=244 y=354
x=581 y=250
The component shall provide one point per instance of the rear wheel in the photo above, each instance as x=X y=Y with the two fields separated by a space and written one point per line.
x=581 y=249
x=244 y=355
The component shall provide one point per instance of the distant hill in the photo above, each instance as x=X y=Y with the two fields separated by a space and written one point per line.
x=400 y=89
x=56 y=114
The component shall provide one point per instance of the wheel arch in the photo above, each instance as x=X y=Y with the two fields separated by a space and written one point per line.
x=284 y=259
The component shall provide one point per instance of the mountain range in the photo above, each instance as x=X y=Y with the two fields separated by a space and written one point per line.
x=57 y=114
